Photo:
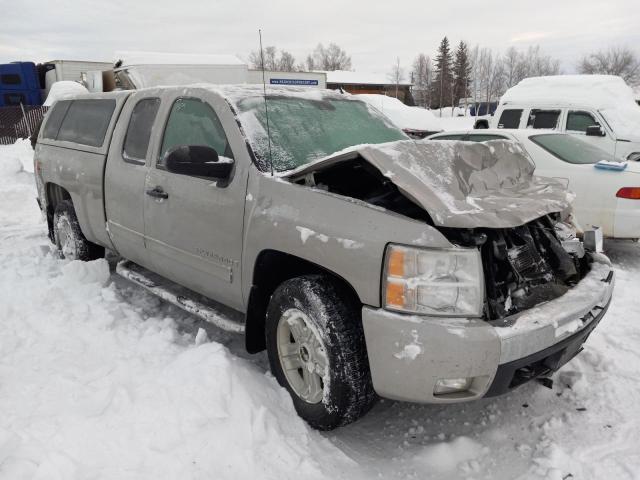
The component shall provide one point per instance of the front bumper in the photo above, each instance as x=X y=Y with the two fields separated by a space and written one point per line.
x=408 y=354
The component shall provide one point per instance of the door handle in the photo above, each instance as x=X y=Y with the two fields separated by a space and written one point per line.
x=157 y=192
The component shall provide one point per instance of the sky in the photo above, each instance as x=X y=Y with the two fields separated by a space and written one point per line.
x=373 y=33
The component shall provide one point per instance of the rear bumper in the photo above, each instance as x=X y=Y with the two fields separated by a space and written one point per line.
x=408 y=354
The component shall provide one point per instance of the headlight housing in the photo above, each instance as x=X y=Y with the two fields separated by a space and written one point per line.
x=439 y=282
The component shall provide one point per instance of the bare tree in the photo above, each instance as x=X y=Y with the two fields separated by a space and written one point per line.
x=421 y=76
x=397 y=75
x=328 y=58
x=619 y=61
x=512 y=62
x=285 y=62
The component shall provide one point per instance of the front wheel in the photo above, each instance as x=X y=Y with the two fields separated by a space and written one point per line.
x=68 y=236
x=317 y=351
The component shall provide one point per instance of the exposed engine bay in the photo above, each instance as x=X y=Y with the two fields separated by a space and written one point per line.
x=523 y=266
x=527 y=265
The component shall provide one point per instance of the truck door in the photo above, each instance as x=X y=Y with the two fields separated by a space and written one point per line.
x=193 y=225
x=577 y=123
x=127 y=166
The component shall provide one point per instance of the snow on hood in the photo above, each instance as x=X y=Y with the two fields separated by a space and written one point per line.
x=462 y=184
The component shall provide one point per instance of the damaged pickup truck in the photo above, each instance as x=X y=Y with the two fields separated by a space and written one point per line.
x=365 y=263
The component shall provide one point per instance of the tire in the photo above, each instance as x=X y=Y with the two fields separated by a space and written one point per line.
x=68 y=237
x=333 y=342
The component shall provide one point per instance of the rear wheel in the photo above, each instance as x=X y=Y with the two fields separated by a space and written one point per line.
x=68 y=236
x=317 y=351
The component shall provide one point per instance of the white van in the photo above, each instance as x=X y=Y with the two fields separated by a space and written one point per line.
x=599 y=108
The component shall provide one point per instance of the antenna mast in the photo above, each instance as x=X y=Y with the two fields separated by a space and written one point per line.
x=266 y=108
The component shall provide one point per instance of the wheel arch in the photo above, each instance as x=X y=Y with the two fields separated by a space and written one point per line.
x=54 y=194
x=272 y=267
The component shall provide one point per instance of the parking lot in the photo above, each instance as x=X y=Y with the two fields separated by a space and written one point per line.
x=102 y=380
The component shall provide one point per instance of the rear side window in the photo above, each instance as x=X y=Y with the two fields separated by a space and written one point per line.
x=543 y=119
x=510 y=119
x=136 y=141
x=54 y=119
x=193 y=122
x=10 y=79
x=87 y=121
x=579 y=121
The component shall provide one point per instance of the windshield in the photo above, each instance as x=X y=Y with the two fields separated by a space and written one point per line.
x=304 y=129
x=571 y=149
x=624 y=121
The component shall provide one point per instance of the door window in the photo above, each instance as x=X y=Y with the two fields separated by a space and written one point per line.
x=543 y=119
x=510 y=118
x=579 y=121
x=193 y=122
x=136 y=141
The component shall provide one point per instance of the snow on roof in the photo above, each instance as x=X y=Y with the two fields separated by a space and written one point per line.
x=130 y=58
x=608 y=94
x=362 y=78
x=597 y=91
x=403 y=116
x=63 y=89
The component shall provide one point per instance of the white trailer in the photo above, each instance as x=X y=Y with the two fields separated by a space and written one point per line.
x=150 y=69
x=72 y=70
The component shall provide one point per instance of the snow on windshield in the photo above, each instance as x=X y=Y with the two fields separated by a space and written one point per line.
x=304 y=129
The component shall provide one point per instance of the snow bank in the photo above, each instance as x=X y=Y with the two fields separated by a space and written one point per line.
x=16 y=157
x=63 y=89
x=92 y=388
x=403 y=116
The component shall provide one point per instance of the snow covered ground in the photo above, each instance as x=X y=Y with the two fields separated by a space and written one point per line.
x=99 y=380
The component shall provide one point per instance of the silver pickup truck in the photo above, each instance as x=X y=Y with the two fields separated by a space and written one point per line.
x=365 y=263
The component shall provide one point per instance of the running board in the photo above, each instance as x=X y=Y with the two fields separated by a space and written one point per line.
x=180 y=296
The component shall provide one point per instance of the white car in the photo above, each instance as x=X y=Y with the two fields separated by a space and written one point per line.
x=607 y=192
x=601 y=109
x=414 y=121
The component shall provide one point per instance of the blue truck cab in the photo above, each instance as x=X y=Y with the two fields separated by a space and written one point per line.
x=19 y=84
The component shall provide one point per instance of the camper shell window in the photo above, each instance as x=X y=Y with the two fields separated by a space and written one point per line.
x=86 y=121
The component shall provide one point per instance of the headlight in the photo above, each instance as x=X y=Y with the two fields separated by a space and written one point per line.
x=433 y=281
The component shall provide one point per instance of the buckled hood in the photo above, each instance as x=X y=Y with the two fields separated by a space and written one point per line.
x=462 y=184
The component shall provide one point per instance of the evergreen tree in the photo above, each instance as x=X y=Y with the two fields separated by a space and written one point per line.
x=443 y=81
x=461 y=72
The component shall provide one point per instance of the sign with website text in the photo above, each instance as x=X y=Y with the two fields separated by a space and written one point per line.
x=293 y=81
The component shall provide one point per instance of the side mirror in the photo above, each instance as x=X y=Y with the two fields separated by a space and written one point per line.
x=197 y=161
x=595 y=131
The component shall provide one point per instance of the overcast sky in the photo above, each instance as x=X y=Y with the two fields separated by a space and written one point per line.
x=373 y=33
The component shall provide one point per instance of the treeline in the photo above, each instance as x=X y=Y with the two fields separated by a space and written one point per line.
x=475 y=75
x=329 y=58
